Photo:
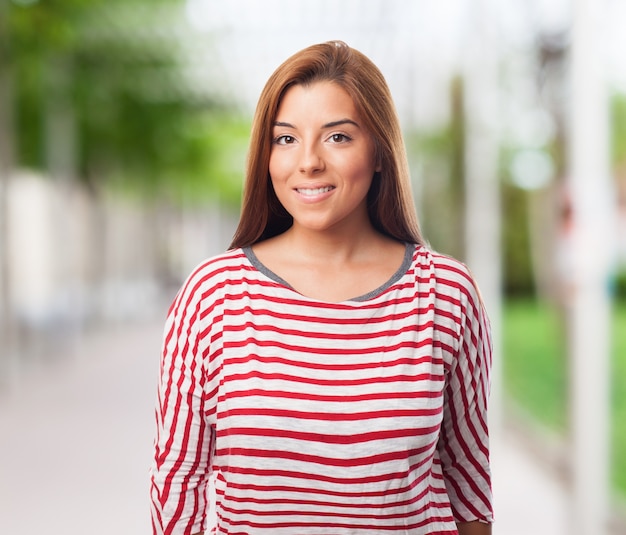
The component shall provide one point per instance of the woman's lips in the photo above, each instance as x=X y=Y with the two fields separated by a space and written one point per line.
x=311 y=195
x=312 y=192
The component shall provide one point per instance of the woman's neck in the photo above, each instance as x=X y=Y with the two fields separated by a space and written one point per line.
x=332 y=247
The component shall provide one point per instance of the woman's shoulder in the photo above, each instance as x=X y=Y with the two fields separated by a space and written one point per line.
x=448 y=271
x=232 y=258
x=215 y=271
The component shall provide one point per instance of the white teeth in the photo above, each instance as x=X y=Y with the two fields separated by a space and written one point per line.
x=314 y=191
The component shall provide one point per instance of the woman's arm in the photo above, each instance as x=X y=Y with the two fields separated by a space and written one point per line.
x=474 y=528
x=464 y=440
x=184 y=438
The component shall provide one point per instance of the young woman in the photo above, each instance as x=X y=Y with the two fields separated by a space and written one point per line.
x=329 y=372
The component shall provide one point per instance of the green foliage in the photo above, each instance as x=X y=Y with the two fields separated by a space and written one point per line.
x=618 y=121
x=45 y=25
x=119 y=68
x=29 y=109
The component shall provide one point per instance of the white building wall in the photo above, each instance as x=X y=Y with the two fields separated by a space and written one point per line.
x=76 y=258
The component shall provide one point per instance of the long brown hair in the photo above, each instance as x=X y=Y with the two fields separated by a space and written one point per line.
x=390 y=202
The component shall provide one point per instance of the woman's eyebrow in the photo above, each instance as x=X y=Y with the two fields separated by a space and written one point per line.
x=332 y=124
x=340 y=122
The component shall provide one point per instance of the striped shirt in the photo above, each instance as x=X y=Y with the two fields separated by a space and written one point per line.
x=309 y=417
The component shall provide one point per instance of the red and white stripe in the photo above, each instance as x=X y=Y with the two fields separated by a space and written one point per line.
x=323 y=418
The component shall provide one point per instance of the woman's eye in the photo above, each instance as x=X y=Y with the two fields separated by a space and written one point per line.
x=284 y=140
x=339 y=138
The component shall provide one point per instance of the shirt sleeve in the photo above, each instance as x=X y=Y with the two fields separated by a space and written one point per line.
x=464 y=441
x=183 y=443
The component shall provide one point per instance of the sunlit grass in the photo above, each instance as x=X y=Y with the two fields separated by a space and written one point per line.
x=535 y=371
x=534 y=360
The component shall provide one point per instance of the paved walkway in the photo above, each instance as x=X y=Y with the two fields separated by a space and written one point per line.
x=76 y=439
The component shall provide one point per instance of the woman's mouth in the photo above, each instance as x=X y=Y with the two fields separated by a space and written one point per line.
x=310 y=192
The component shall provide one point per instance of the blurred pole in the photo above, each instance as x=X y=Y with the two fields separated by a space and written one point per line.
x=482 y=191
x=61 y=158
x=589 y=324
x=7 y=338
x=61 y=143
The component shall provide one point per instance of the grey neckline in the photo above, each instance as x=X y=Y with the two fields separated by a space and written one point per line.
x=406 y=263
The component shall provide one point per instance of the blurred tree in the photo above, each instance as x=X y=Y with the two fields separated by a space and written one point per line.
x=6 y=164
x=98 y=92
x=517 y=261
x=618 y=138
x=102 y=95
x=442 y=155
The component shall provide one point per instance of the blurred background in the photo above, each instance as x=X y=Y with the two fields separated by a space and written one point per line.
x=123 y=136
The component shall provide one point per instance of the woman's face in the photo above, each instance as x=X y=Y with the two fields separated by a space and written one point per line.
x=322 y=158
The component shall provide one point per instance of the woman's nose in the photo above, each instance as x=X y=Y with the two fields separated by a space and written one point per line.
x=311 y=160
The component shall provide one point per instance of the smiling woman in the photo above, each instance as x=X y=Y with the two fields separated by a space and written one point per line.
x=390 y=202
x=322 y=167
x=329 y=372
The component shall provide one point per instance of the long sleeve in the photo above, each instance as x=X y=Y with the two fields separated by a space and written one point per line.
x=183 y=443
x=464 y=443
